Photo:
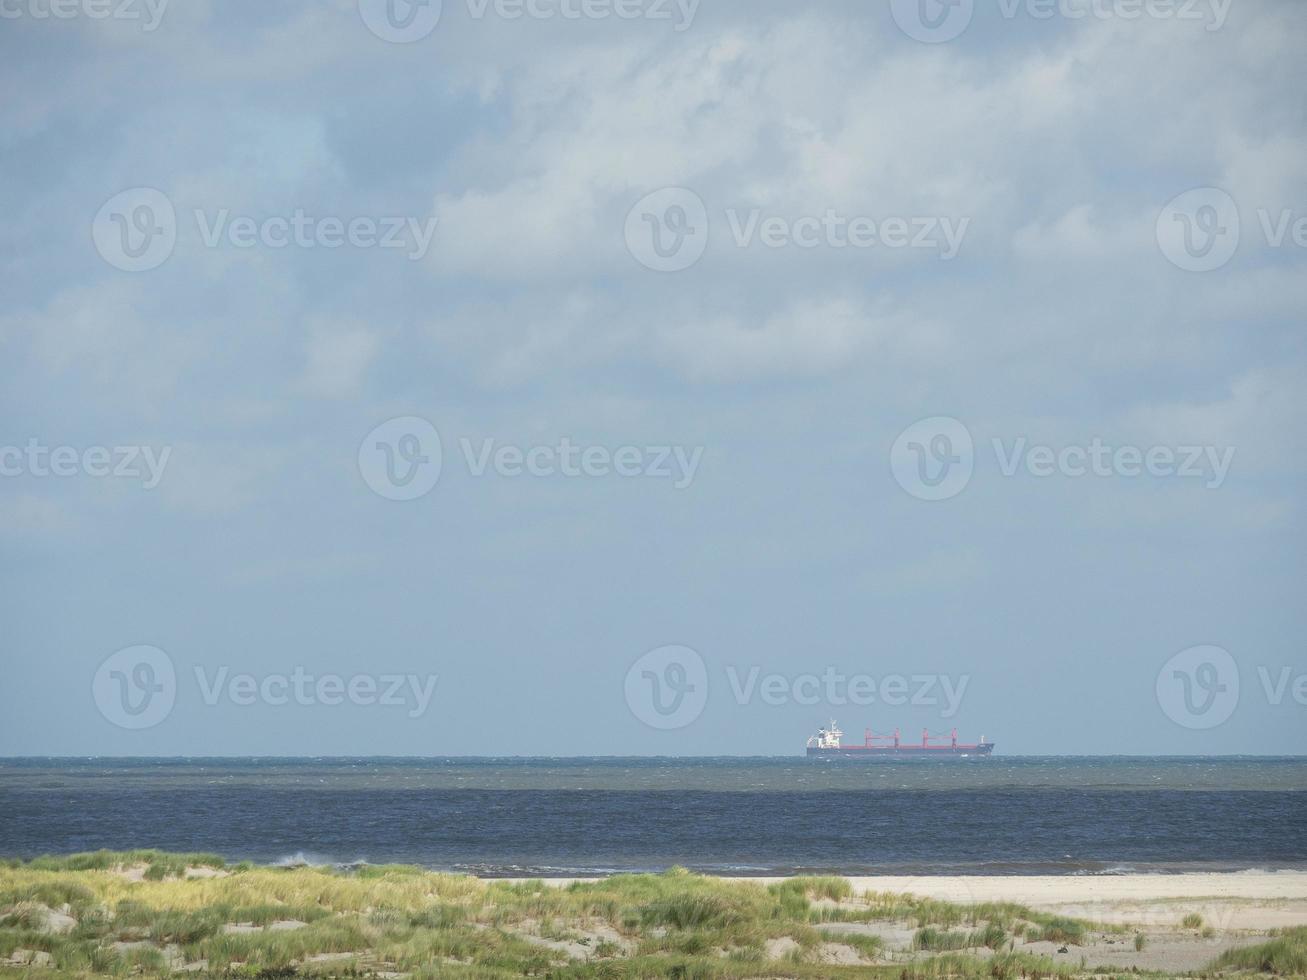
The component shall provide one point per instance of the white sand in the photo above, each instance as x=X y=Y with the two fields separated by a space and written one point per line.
x=1241 y=901
x=1245 y=900
x=1038 y=890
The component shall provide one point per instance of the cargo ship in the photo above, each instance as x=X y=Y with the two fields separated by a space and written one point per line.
x=827 y=743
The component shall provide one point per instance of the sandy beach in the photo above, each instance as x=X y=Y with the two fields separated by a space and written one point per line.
x=159 y=914
x=1249 y=900
x=1244 y=900
x=1184 y=920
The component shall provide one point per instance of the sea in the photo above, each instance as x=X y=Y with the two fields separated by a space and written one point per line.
x=741 y=816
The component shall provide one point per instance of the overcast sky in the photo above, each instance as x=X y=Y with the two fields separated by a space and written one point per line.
x=703 y=271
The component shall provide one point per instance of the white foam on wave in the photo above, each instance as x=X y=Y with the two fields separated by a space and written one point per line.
x=304 y=859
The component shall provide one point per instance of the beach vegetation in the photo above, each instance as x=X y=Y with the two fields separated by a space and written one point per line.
x=940 y=940
x=1285 y=956
x=1057 y=929
x=106 y=914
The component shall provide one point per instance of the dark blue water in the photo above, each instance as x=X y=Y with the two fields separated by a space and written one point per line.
x=727 y=815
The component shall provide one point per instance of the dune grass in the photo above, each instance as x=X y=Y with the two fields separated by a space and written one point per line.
x=149 y=913
x=1056 y=929
x=1285 y=956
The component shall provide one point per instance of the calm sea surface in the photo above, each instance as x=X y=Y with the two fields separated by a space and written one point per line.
x=574 y=816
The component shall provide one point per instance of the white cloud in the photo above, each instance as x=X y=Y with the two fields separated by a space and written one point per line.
x=215 y=479
x=337 y=356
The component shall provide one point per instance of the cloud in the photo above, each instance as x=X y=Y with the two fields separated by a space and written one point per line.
x=215 y=479
x=810 y=339
x=337 y=356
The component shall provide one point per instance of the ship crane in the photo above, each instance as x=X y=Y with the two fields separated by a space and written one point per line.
x=927 y=737
x=872 y=737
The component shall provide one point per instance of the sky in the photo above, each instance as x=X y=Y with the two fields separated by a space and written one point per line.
x=503 y=378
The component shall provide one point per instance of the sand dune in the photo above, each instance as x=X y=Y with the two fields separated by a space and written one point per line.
x=1250 y=900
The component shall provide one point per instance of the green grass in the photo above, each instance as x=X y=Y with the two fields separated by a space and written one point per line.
x=992 y=936
x=1002 y=966
x=1057 y=929
x=158 y=864
x=940 y=940
x=1285 y=955
x=137 y=913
